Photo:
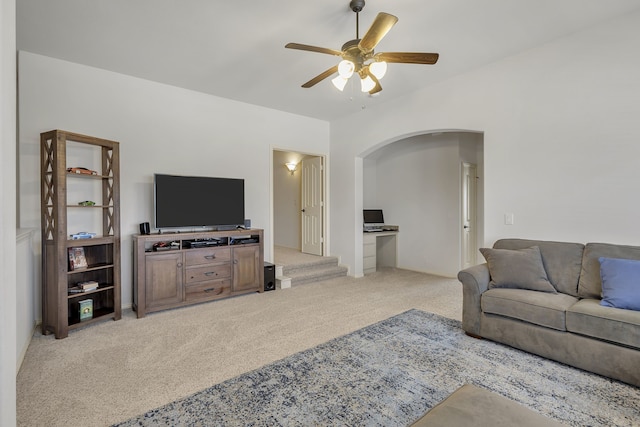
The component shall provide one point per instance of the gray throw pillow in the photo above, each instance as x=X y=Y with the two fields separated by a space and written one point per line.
x=517 y=269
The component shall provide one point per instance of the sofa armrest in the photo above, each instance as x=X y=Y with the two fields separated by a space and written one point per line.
x=475 y=281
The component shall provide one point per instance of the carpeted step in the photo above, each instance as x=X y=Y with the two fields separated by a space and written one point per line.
x=323 y=268
x=309 y=276
x=317 y=263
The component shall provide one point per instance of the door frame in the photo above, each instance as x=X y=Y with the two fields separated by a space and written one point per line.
x=469 y=198
x=270 y=241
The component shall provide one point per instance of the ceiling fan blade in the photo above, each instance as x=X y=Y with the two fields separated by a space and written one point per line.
x=377 y=88
x=313 y=48
x=320 y=77
x=380 y=27
x=408 y=57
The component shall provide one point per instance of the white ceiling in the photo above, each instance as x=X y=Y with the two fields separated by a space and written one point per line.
x=235 y=49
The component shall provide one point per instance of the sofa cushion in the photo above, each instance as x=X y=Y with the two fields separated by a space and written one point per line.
x=620 y=283
x=539 y=308
x=517 y=269
x=562 y=261
x=590 y=285
x=588 y=317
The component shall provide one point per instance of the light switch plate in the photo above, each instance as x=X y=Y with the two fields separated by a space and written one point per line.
x=508 y=218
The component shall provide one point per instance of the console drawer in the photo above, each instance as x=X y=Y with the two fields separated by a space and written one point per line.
x=369 y=250
x=208 y=272
x=208 y=290
x=369 y=263
x=207 y=256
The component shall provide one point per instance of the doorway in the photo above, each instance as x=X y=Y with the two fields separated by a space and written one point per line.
x=469 y=208
x=417 y=181
x=299 y=191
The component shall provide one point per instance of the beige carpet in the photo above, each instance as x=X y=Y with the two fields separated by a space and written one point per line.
x=288 y=256
x=112 y=371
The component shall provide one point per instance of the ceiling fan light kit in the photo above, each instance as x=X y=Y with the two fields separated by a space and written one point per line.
x=358 y=56
x=339 y=82
x=378 y=69
x=367 y=84
x=346 y=68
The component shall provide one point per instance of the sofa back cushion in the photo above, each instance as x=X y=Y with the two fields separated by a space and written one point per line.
x=562 y=261
x=517 y=269
x=590 y=285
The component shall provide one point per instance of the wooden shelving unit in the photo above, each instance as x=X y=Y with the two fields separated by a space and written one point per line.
x=60 y=307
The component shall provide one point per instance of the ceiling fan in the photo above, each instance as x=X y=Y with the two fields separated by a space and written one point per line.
x=358 y=56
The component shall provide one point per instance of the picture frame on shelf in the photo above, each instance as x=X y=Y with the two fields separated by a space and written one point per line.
x=77 y=258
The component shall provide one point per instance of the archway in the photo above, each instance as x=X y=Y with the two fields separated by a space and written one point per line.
x=418 y=182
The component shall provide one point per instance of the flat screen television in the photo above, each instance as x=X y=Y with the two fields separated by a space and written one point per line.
x=373 y=216
x=195 y=201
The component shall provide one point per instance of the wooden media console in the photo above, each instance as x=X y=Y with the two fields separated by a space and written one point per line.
x=174 y=270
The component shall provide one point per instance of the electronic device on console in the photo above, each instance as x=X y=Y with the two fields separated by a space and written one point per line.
x=165 y=246
x=205 y=243
x=243 y=240
x=373 y=221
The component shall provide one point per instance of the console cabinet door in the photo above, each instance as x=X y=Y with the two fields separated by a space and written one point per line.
x=164 y=279
x=246 y=268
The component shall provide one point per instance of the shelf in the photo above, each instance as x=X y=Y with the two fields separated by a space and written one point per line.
x=95 y=291
x=149 y=251
x=98 y=315
x=93 y=267
x=93 y=206
x=85 y=176
x=103 y=240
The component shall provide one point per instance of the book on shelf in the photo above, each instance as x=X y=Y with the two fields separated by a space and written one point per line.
x=77 y=290
x=77 y=258
x=86 y=309
x=84 y=287
x=88 y=285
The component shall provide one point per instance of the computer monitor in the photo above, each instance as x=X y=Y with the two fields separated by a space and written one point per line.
x=373 y=217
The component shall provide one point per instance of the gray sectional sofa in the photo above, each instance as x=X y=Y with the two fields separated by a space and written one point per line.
x=566 y=323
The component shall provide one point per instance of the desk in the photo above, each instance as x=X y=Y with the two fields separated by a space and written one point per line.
x=380 y=249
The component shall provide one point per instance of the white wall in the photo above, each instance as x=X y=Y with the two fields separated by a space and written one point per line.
x=417 y=182
x=160 y=129
x=26 y=287
x=8 y=218
x=286 y=200
x=370 y=183
x=561 y=134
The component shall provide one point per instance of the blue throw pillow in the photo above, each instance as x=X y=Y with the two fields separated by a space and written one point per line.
x=620 y=283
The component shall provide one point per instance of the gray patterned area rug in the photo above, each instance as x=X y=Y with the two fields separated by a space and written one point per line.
x=389 y=374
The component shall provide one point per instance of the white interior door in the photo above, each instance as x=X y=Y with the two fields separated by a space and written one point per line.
x=469 y=173
x=312 y=205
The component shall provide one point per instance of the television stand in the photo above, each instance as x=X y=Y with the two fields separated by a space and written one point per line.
x=197 y=267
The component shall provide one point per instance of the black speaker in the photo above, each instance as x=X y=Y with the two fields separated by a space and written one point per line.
x=269 y=277
x=144 y=228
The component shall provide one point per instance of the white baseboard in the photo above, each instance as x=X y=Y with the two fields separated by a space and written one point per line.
x=25 y=346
